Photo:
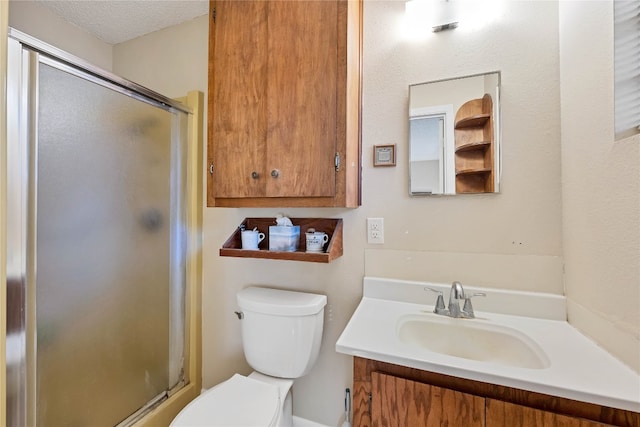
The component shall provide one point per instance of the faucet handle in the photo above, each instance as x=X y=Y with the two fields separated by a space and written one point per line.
x=439 y=308
x=468 y=307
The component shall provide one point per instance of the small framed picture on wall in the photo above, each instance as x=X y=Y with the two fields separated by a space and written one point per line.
x=384 y=155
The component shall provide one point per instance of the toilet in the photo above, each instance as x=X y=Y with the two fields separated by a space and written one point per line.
x=281 y=336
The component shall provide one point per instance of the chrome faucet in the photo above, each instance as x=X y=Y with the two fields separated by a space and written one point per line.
x=456 y=294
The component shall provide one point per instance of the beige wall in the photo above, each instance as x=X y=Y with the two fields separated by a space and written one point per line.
x=38 y=21
x=601 y=187
x=172 y=61
x=509 y=240
x=521 y=226
x=455 y=92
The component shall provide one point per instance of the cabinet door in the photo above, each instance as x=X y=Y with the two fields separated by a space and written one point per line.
x=237 y=104
x=504 y=414
x=273 y=73
x=397 y=402
x=301 y=98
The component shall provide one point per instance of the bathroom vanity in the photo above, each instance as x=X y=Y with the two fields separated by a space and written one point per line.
x=517 y=363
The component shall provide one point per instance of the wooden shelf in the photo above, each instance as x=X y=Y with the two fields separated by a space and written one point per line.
x=333 y=248
x=474 y=157
x=480 y=171
x=477 y=120
x=473 y=146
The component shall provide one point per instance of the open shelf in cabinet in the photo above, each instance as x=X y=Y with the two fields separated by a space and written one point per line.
x=333 y=248
x=472 y=146
x=474 y=153
x=472 y=121
x=480 y=171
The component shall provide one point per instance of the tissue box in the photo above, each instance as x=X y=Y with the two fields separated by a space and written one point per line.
x=284 y=238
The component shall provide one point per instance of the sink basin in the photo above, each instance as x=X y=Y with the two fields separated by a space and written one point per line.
x=471 y=339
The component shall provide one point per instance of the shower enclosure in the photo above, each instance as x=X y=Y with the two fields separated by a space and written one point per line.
x=96 y=242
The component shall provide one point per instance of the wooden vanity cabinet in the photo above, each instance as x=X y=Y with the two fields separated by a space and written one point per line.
x=390 y=395
x=499 y=413
x=284 y=103
x=397 y=401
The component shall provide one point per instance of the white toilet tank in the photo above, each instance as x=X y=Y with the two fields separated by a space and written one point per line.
x=281 y=330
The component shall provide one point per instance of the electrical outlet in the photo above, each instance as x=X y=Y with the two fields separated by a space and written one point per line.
x=375 y=230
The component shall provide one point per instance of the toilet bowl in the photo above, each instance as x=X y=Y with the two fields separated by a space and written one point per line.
x=256 y=400
x=281 y=336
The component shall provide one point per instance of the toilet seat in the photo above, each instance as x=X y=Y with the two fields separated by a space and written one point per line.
x=239 y=401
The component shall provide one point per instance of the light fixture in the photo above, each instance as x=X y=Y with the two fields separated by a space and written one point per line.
x=444 y=27
x=439 y=15
x=442 y=15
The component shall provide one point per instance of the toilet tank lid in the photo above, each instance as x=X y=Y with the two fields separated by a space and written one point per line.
x=280 y=302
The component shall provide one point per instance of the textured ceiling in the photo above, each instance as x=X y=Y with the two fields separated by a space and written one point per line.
x=116 y=21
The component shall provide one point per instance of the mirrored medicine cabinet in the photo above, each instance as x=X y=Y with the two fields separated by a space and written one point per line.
x=454 y=136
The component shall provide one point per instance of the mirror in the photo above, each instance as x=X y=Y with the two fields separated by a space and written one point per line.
x=454 y=136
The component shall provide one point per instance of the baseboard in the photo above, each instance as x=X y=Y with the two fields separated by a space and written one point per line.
x=301 y=422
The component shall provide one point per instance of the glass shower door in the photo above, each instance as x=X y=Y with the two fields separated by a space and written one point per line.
x=109 y=264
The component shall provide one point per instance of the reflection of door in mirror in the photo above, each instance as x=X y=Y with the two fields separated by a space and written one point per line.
x=427 y=141
x=459 y=156
x=431 y=144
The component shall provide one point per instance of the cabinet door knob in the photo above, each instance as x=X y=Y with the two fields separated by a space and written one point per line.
x=275 y=173
x=255 y=175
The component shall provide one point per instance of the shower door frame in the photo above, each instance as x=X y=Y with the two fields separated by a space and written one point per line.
x=18 y=225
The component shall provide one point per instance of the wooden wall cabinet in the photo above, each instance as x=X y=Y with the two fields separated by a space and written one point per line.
x=474 y=142
x=284 y=103
x=395 y=396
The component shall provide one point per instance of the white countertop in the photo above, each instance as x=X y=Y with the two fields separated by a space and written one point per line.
x=579 y=369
